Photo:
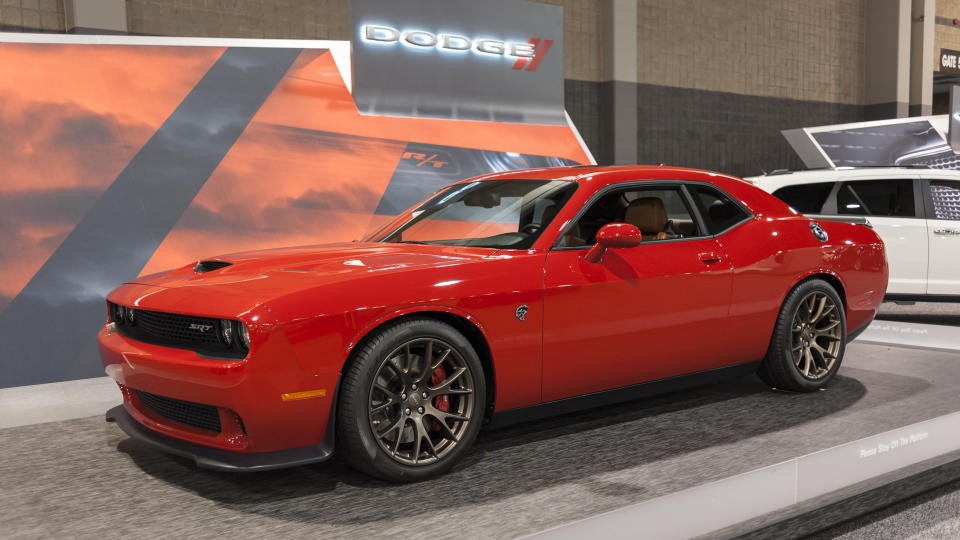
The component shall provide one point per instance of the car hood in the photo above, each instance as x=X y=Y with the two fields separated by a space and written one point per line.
x=313 y=264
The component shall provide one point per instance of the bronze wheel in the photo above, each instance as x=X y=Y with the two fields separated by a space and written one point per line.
x=421 y=401
x=809 y=338
x=815 y=335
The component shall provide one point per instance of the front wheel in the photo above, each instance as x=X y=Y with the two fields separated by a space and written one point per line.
x=808 y=340
x=412 y=401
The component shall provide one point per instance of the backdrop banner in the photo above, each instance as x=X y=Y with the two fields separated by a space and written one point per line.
x=162 y=151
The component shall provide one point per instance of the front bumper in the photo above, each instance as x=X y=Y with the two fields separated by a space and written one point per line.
x=252 y=396
x=224 y=460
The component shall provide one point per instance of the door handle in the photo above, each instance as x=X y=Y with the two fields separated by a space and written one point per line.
x=709 y=258
x=947 y=232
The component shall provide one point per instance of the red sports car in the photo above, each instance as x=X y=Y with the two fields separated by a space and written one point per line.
x=501 y=298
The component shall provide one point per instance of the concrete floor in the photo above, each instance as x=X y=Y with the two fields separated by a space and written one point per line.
x=85 y=479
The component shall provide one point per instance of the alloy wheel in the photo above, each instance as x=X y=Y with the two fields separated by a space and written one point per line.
x=421 y=401
x=815 y=336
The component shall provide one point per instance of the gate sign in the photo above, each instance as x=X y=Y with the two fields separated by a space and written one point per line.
x=949 y=61
x=496 y=60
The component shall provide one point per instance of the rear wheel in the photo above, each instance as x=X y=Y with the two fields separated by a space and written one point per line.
x=809 y=339
x=412 y=401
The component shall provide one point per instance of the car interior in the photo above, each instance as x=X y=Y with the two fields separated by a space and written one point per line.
x=660 y=214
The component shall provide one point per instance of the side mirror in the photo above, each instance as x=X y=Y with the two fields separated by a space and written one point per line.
x=613 y=235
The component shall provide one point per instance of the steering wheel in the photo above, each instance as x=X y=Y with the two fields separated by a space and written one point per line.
x=530 y=228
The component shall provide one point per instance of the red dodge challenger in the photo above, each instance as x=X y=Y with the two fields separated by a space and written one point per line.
x=501 y=298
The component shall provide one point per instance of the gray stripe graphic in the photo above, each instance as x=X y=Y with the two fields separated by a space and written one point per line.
x=48 y=332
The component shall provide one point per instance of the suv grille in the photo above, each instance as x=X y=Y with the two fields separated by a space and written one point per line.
x=197 y=415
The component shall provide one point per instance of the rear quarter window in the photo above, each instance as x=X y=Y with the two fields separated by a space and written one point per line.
x=718 y=210
x=805 y=198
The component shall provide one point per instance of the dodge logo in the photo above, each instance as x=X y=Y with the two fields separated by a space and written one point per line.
x=521 y=312
x=528 y=54
x=200 y=327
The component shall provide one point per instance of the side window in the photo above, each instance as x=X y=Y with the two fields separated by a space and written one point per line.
x=946 y=199
x=805 y=198
x=660 y=214
x=718 y=211
x=876 y=198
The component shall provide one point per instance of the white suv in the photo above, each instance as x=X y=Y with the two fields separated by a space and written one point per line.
x=916 y=211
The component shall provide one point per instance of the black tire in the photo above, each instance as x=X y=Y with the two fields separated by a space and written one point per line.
x=778 y=368
x=358 y=445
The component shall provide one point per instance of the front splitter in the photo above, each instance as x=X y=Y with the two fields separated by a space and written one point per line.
x=216 y=459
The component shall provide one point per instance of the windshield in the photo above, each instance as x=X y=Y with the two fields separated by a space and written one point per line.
x=506 y=214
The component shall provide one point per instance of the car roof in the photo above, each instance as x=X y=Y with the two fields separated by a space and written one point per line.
x=599 y=175
x=832 y=174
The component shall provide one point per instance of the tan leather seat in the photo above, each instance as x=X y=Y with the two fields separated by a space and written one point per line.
x=649 y=215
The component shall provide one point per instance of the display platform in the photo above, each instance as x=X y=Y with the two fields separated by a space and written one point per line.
x=84 y=477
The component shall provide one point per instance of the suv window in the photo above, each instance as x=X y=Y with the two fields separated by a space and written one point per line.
x=876 y=198
x=718 y=210
x=805 y=198
x=946 y=199
x=660 y=213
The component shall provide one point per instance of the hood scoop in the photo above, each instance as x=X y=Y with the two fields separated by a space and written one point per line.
x=203 y=267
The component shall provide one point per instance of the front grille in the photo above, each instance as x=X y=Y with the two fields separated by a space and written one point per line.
x=196 y=415
x=200 y=334
x=175 y=328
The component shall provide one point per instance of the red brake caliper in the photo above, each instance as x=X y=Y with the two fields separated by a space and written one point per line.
x=441 y=403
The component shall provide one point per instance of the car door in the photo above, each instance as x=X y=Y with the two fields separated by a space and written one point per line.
x=640 y=314
x=893 y=207
x=943 y=233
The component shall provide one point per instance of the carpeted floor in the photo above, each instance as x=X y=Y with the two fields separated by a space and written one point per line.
x=932 y=516
x=945 y=313
x=85 y=479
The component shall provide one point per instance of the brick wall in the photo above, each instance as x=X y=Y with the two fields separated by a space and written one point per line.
x=806 y=50
x=718 y=81
x=582 y=39
x=291 y=19
x=732 y=133
x=45 y=15
x=945 y=37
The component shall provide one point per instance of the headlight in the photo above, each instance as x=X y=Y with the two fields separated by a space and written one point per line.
x=244 y=336
x=226 y=331
x=118 y=313
x=128 y=314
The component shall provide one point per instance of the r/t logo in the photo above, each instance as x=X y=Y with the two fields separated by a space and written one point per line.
x=423 y=159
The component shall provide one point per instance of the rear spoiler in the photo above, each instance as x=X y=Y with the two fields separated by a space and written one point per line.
x=856 y=220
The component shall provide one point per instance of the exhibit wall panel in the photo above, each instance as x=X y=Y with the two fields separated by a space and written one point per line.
x=156 y=156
